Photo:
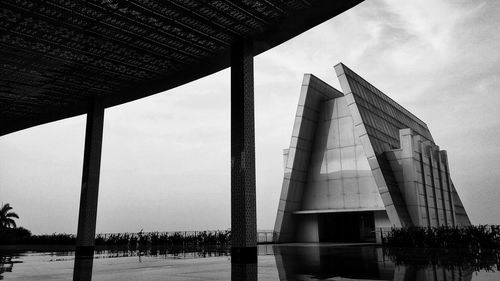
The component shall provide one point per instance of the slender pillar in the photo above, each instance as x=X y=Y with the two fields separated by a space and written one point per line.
x=90 y=180
x=82 y=270
x=243 y=208
x=244 y=272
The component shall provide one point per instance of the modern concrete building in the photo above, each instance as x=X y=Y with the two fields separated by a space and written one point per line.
x=359 y=162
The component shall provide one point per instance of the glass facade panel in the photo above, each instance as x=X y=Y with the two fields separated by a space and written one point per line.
x=333 y=134
x=346 y=131
x=342 y=109
x=384 y=116
x=335 y=190
x=322 y=199
x=362 y=166
x=367 y=185
x=333 y=164
x=349 y=178
x=367 y=200
x=350 y=186
x=348 y=158
x=323 y=165
x=351 y=201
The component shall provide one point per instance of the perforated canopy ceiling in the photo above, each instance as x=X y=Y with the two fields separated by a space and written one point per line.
x=56 y=55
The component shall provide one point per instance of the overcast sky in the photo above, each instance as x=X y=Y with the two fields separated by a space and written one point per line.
x=166 y=158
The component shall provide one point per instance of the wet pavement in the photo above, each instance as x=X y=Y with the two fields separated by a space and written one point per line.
x=284 y=262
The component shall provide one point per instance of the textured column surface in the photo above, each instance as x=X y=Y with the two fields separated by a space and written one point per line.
x=243 y=209
x=90 y=179
x=83 y=268
x=244 y=272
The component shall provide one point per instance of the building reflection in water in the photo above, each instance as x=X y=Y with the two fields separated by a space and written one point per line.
x=239 y=271
x=6 y=264
x=356 y=263
x=334 y=263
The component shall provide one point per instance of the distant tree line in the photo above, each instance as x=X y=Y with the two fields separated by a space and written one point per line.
x=197 y=238
x=10 y=234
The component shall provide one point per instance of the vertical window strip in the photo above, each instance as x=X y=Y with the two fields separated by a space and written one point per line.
x=425 y=189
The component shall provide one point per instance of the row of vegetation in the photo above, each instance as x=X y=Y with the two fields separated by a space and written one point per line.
x=10 y=234
x=469 y=237
x=166 y=238
x=23 y=236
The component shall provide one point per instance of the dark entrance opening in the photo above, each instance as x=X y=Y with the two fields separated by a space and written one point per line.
x=346 y=227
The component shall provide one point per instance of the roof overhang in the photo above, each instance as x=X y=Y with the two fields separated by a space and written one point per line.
x=56 y=56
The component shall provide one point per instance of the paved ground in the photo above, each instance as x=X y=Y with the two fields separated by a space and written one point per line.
x=133 y=268
x=109 y=266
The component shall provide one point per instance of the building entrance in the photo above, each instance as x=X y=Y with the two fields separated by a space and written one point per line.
x=346 y=227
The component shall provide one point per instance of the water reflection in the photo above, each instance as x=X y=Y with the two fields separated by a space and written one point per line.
x=239 y=271
x=372 y=263
x=306 y=262
x=471 y=260
x=6 y=265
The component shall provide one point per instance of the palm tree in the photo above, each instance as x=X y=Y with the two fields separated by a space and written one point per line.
x=6 y=217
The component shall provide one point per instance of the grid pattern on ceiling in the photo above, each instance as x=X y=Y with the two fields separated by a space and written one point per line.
x=60 y=52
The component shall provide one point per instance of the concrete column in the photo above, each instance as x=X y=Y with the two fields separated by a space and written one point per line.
x=243 y=271
x=82 y=270
x=90 y=180
x=243 y=202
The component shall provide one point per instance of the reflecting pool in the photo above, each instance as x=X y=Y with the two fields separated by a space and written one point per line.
x=283 y=262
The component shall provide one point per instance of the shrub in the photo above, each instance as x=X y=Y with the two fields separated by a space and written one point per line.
x=13 y=235
x=472 y=237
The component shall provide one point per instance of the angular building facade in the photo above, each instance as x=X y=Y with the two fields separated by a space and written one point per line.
x=359 y=162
